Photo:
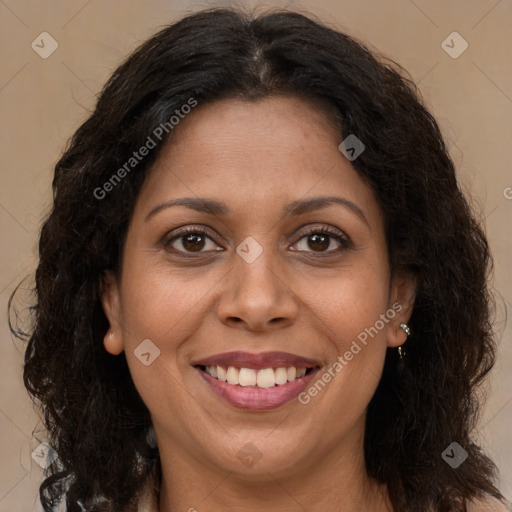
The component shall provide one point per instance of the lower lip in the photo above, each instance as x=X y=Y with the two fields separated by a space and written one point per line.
x=252 y=398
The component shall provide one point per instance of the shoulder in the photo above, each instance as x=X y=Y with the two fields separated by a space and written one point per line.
x=489 y=505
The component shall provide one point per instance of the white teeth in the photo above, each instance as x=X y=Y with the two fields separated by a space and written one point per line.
x=265 y=378
x=221 y=373
x=232 y=375
x=247 y=377
x=281 y=376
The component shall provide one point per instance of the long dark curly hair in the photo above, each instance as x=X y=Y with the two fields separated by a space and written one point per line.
x=96 y=420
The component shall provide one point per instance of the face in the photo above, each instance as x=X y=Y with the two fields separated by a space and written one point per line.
x=262 y=270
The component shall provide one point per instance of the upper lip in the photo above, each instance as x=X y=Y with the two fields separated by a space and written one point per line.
x=258 y=361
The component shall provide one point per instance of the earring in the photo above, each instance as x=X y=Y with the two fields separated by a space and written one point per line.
x=407 y=330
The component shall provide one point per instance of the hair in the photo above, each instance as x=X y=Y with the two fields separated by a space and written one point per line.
x=97 y=422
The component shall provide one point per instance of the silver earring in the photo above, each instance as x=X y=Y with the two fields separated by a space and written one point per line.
x=407 y=329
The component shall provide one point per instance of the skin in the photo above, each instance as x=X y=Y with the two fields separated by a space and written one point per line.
x=257 y=158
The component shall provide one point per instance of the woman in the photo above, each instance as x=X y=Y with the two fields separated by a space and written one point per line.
x=260 y=285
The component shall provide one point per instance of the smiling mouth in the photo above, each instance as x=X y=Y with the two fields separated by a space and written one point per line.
x=251 y=378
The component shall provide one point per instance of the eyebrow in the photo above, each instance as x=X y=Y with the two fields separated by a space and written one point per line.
x=298 y=207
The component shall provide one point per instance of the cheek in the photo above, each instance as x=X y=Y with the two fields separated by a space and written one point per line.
x=351 y=302
x=166 y=307
x=163 y=307
x=349 y=316
x=352 y=313
x=158 y=303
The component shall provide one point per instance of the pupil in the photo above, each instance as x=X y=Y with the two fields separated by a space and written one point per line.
x=196 y=242
x=319 y=240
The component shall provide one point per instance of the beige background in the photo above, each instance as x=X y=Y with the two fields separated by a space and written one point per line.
x=43 y=101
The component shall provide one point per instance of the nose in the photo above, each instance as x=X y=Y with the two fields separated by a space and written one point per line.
x=257 y=296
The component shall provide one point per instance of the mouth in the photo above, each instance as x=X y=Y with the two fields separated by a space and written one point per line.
x=253 y=389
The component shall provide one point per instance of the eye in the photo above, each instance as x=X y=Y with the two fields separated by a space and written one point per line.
x=191 y=240
x=321 y=240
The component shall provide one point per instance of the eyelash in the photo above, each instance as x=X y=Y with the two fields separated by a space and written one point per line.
x=343 y=240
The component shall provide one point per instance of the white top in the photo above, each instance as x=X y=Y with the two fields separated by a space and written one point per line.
x=147 y=504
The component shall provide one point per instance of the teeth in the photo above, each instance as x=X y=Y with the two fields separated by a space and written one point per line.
x=281 y=376
x=221 y=373
x=247 y=377
x=266 y=378
x=232 y=375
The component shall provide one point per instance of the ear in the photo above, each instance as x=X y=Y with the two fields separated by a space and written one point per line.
x=403 y=293
x=109 y=290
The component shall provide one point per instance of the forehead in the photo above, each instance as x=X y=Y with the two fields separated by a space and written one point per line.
x=256 y=155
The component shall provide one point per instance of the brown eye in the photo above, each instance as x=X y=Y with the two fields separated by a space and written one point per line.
x=318 y=242
x=322 y=240
x=191 y=240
